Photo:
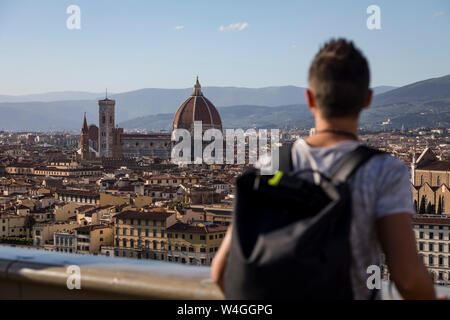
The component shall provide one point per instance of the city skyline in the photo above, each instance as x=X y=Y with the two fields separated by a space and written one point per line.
x=251 y=44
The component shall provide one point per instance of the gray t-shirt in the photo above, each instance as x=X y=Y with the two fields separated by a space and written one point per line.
x=380 y=187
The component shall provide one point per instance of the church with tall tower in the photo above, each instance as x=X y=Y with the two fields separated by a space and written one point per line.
x=106 y=120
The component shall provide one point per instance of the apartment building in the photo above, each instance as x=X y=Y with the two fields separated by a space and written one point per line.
x=43 y=233
x=194 y=243
x=78 y=196
x=65 y=241
x=12 y=226
x=90 y=239
x=171 y=180
x=141 y=234
x=433 y=243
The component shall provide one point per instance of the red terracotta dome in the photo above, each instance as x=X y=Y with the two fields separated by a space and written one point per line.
x=197 y=108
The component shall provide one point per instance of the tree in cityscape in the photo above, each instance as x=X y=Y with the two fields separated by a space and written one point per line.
x=430 y=208
x=422 y=205
x=30 y=221
x=439 y=208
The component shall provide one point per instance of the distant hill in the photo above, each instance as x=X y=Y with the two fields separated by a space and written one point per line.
x=27 y=116
x=426 y=90
x=66 y=114
x=154 y=108
x=430 y=107
x=382 y=89
x=245 y=116
x=52 y=96
x=424 y=103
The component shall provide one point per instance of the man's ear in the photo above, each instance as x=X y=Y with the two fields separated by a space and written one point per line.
x=369 y=99
x=310 y=99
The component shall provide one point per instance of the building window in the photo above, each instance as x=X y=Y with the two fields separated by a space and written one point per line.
x=431 y=235
x=430 y=260
x=421 y=180
x=430 y=247
x=438 y=181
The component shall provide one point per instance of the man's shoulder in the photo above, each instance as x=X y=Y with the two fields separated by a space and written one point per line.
x=386 y=161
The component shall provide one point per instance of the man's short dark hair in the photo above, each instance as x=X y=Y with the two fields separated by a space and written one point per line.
x=339 y=79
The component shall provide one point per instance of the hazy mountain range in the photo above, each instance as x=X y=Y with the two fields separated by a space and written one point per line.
x=423 y=103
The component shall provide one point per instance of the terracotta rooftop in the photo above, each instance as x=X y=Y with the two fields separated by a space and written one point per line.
x=180 y=226
x=78 y=192
x=436 y=166
x=159 y=216
x=417 y=219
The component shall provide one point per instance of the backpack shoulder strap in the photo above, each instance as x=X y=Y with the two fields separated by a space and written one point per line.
x=350 y=163
x=285 y=158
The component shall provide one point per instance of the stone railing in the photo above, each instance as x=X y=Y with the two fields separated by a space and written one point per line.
x=39 y=274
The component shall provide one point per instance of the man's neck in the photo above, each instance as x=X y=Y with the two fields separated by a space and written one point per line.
x=325 y=138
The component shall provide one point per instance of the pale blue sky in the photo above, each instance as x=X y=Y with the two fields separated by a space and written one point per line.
x=128 y=45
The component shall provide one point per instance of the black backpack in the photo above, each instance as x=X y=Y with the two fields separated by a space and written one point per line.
x=291 y=237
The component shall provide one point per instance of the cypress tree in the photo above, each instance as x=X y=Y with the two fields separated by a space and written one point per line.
x=429 y=208
x=422 y=205
x=439 y=209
